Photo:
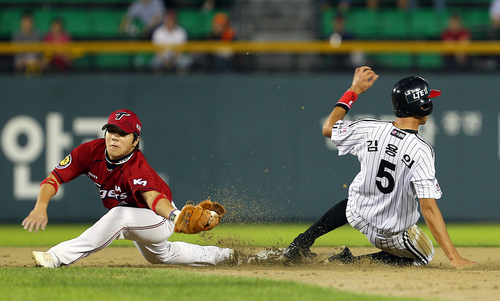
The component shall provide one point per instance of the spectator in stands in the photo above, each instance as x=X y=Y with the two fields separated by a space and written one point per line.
x=494 y=12
x=222 y=30
x=342 y=5
x=374 y=4
x=491 y=62
x=339 y=34
x=170 y=33
x=439 y=5
x=455 y=32
x=149 y=14
x=58 y=61
x=30 y=63
x=209 y=5
x=407 y=4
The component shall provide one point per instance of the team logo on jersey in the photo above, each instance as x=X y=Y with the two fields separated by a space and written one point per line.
x=120 y=115
x=398 y=134
x=112 y=194
x=65 y=162
x=140 y=182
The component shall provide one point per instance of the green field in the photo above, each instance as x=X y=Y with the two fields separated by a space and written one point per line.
x=253 y=235
x=120 y=283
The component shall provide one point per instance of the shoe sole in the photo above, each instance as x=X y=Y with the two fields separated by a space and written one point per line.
x=36 y=260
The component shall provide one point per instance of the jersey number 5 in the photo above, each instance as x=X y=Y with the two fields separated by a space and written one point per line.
x=383 y=172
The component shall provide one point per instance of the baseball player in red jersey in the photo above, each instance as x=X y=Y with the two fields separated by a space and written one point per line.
x=397 y=166
x=139 y=202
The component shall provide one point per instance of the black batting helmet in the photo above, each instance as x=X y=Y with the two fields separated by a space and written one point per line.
x=412 y=96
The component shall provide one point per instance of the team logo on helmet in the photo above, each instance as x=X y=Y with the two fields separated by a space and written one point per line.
x=65 y=162
x=416 y=94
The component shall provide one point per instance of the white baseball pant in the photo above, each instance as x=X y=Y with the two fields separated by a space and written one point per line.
x=147 y=230
x=412 y=243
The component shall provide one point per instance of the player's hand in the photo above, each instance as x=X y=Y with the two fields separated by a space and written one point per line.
x=37 y=219
x=364 y=77
x=461 y=263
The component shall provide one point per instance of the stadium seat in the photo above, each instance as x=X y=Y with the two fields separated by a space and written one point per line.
x=105 y=23
x=77 y=22
x=9 y=22
x=466 y=3
x=326 y=18
x=394 y=61
x=197 y=23
x=364 y=23
x=113 y=61
x=394 y=24
x=429 y=61
x=477 y=20
x=427 y=23
x=83 y=63
x=43 y=18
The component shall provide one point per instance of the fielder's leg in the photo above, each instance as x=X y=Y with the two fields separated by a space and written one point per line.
x=118 y=223
x=182 y=253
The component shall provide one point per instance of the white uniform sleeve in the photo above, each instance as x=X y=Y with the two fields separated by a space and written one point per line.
x=427 y=189
x=342 y=133
x=424 y=179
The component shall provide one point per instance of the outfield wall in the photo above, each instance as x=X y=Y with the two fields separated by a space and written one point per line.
x=249 y=141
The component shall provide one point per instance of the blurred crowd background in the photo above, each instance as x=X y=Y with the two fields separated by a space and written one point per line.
x=175 y=22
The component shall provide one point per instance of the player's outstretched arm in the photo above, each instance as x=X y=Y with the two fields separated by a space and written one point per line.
x=435 y=222
x=158 y=202
x=363 y=79
x=38 y=218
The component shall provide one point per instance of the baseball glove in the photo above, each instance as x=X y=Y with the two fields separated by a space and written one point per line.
x=196 y=218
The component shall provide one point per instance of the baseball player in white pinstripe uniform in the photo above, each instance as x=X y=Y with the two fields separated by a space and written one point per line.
x=397 y=167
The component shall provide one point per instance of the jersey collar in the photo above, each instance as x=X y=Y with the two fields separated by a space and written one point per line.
x=112 y=164
x=411 y=131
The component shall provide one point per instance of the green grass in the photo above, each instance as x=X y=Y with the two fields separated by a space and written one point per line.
x=162 y=283
x=156 y=284
x=258 y=235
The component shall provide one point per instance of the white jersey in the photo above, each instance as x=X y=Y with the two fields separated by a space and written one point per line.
x=396 y=167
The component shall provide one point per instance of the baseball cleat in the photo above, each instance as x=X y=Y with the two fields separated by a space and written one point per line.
x=345 y=256
x=296 y=252
x=43 y=259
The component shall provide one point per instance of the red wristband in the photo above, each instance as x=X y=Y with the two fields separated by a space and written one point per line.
x=157 y=199
x=348 y=99
x=51 y=182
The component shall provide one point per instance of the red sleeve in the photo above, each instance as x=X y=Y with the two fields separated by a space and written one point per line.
x=146 y=179
x=73 y=165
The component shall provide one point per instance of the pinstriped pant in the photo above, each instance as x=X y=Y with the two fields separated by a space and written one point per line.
x=412 y=243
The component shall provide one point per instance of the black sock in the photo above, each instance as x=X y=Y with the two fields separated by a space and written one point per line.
x=334 y=218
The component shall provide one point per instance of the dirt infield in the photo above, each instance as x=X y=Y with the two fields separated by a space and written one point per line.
x=435 y=281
